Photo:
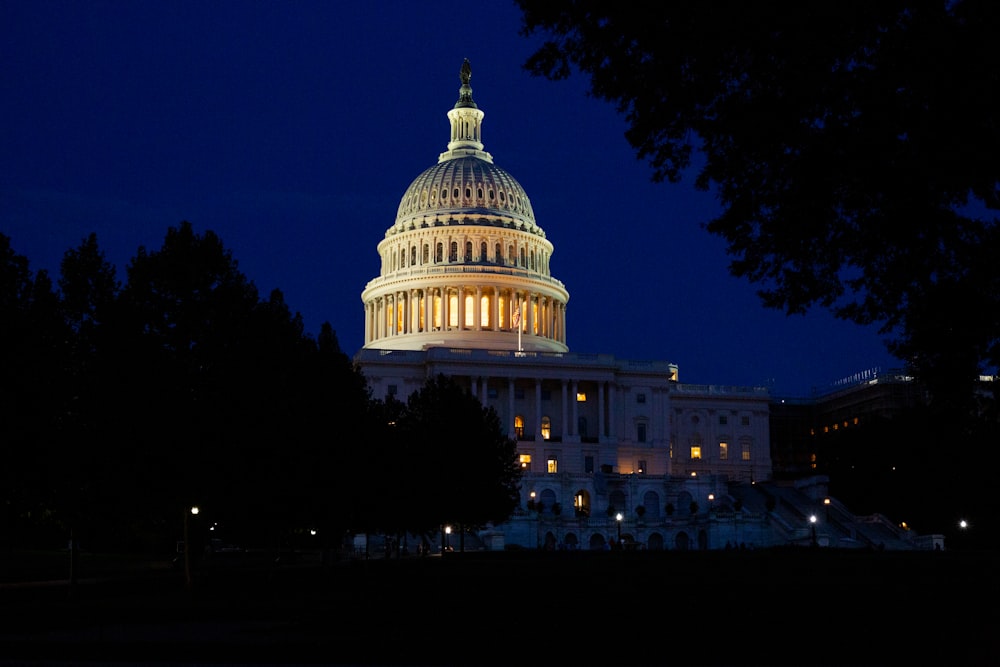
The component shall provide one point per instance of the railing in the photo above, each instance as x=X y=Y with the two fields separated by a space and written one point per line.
x=459 y=269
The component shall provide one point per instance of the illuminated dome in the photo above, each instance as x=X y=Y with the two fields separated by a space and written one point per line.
x=466 y=186
x=464 y=264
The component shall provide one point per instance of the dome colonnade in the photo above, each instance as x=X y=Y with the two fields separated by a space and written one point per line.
x=465 y=264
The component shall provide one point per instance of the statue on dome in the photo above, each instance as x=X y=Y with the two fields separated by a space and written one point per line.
x=466 y=72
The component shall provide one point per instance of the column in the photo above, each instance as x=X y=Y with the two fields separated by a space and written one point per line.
x=510 y=408
x=600 y=410
x=495 y=310
x=445 y=309
x=567 y=427
x=413 y=308
x=530 y=315
x=576 y=420
x=368 y=322
x=612 y=408
x=477 y=323
x=461 y=308
x=562 y=325
x=538 y=410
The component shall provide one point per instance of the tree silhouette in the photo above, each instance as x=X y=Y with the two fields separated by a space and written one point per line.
x=848 y=144
x=33 y=397
x=458 y=466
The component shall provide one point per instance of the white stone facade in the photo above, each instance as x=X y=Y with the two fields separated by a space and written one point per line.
x=466 y=290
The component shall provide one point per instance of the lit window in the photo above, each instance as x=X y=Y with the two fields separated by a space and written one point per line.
x=546 y=428
x=519 y=427
x=525 y=461
x=553 y=465
x=696 y=452
x=581 y=397
x=723 y=451
x=746 y=451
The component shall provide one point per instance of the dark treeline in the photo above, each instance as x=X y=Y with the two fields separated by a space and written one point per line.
x=126 y=402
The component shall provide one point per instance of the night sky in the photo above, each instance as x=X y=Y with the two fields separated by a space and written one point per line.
x=292 y=129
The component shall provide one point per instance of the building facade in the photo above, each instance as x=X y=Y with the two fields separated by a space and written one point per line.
x=612 y=451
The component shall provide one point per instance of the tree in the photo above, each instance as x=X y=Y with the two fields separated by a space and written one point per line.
x=849 y=145
x=33 y=396
x=457 y=465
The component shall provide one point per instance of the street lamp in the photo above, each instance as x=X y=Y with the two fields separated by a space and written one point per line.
x=187 y=543
x=618 y=518
x=447 y=537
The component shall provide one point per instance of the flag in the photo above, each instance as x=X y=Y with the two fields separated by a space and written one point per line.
x=516 y=320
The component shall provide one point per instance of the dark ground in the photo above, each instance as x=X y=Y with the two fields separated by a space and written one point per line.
x=768 y=607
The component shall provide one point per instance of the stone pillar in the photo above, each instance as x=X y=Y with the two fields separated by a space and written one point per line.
x=567 y=427
x=477 y=324
x=612 y=408
x=510 y=407
x=538 y=410
x=576 y=419
x=600 y=410
x=495 y=311
x=445 y=309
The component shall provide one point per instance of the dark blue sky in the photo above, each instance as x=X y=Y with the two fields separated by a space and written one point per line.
x=292 y=129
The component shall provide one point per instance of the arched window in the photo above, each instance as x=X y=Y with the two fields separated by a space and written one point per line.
x=468 y=251
x=413 y=255
x=426 y=254
x=453 y=252
x=439 y=253
x=498 y=254
x=483 y=251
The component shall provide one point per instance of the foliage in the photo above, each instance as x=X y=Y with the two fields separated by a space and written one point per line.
x=456 y=464
x=125 y=404
x=848 y=144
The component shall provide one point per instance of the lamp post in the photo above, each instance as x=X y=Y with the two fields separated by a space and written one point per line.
x=447 y=537
x=187 y=543
x=618 y=518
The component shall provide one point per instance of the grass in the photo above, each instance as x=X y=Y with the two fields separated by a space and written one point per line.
x=782 y=606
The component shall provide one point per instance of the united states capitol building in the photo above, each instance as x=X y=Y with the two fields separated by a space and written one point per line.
x=614 y=452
